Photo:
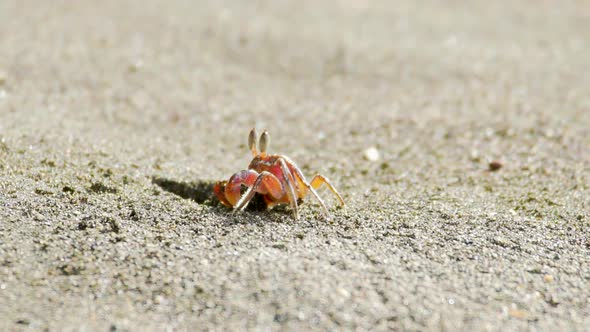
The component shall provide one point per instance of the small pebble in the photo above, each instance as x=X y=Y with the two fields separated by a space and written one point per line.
x=37 y=216
x=500 y=241
x=548 y=278
x=535 y=270
x=372 y=154
x=136 y=66
x=519 y=314
x=281 y=246
x=343 y=292
x=495 y=165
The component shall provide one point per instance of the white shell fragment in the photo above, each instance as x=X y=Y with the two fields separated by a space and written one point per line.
x=372 y=154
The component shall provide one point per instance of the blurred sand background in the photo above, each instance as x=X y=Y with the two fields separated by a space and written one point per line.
x=116 y=115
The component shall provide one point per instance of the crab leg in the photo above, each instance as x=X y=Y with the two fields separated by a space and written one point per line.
x=265 y=183
x=301 y=178
x=290 y=182
x=319 y=179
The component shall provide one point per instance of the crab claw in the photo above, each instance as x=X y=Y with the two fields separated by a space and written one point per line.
x=219 y=191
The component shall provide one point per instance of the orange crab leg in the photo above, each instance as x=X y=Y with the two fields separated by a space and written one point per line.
x=266 y=184
x=289 y=180
x=302 y=181
x=319 y=179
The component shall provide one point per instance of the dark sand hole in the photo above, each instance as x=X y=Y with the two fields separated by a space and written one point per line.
x=201 y=191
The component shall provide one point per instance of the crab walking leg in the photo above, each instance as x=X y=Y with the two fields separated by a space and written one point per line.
x=319 y=179
x=301 y=178
x=290 y=182
x=265 y=183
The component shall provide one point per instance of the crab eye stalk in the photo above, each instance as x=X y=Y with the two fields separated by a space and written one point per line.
x=252 y=141
x=264 y=141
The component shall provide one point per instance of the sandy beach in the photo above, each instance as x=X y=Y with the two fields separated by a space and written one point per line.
x=458 y=133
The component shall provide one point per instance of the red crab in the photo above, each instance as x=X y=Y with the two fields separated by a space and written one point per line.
x=273 y=176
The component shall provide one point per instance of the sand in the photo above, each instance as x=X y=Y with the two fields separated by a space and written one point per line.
x=115 y=118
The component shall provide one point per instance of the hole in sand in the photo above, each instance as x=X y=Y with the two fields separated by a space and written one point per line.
x=201 y=191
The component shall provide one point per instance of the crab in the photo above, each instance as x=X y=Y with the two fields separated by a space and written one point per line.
x=274 y=177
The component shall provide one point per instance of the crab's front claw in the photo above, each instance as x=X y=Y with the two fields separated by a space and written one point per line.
x=219 y=191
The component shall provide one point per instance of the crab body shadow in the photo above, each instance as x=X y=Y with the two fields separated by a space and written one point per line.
x=275 y=177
